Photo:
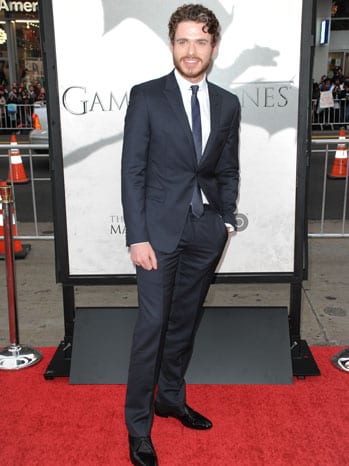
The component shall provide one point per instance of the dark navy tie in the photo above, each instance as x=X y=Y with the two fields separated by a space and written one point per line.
x=197 y=206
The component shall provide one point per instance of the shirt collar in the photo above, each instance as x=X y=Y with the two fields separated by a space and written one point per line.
x=185 y=85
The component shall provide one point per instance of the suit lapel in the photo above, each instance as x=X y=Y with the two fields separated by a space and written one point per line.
x=215 y=108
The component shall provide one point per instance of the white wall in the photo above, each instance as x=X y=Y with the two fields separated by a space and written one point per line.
x=339 y=41
x=321 y=51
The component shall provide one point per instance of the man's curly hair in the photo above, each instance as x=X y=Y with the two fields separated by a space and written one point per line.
x=197 y=13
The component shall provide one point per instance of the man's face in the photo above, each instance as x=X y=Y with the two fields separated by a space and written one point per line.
x=192 y=50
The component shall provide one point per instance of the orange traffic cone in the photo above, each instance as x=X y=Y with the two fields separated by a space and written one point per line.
x=19 y=250
x=36 y=121
x=339 y=167
x=16 y=165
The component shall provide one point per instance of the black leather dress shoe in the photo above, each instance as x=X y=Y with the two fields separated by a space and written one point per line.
x=142 y=452
x=187 y=416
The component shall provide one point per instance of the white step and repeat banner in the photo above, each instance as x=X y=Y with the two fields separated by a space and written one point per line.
x=103 y=48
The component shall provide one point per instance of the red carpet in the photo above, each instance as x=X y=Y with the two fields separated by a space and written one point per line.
x=51 y=423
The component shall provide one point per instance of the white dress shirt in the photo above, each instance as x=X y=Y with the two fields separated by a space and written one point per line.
x=204 y=101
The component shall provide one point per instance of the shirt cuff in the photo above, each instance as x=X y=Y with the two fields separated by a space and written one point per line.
x=230 y=227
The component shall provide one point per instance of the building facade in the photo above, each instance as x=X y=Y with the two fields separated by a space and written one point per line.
x=20 y=46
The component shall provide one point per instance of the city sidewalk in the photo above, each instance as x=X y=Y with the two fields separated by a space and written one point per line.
x=325 y=308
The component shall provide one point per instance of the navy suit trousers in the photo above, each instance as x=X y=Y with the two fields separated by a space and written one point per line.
x=170 y=310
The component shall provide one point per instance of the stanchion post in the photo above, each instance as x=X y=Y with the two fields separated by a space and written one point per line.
x=5 y=194
x=14 y=356
x=341 y=360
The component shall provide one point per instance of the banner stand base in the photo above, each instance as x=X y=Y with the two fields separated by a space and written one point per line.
x=60 y=363
x=303 y=362
x=233 y=346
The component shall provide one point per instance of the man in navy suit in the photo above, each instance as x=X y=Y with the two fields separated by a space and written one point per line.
x=180 y=176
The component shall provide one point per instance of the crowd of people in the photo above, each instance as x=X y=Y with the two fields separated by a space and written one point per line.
x=16 y=103
x=331 y=99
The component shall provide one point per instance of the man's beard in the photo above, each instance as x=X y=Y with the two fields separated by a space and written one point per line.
x=188 y=71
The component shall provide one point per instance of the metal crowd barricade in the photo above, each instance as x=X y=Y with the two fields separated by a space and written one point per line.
x=17 y=117
x=330 y=118
x=330 y=145
x=29 y=148
x=342 y=228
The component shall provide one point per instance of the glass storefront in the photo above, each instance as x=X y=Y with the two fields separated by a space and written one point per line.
x=20 y=46
x=339 y=22
x=340 y=15
x=338 y=59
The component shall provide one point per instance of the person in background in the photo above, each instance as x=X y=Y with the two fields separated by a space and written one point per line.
x=326 y=85
x=13 y=92
x=2 y=108
x=338 y=95
x=346 y=102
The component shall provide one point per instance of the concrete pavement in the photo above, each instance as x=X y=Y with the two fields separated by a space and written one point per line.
x=325 y=302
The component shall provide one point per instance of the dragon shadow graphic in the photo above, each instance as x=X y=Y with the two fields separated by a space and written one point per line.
x=116 y=11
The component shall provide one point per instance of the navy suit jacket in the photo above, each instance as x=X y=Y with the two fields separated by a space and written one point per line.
x=159 y=166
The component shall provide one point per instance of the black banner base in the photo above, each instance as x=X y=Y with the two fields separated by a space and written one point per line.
x=303 y=362
x=233 y=346
x=60 y=363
